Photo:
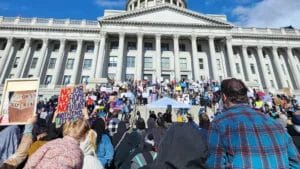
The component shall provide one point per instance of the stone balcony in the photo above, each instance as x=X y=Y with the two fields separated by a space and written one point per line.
x=48 y=23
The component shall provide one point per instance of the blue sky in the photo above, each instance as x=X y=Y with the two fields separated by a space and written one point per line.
x=260 y=13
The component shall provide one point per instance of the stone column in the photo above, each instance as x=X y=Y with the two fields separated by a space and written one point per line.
x=120 y=72
x=176 y=57
x=279 y=68
x=158 y=55
x=42 y=59
x=146 y=3
x=293 y=63
x=95 y=57
x=139 y=59
x=59 y=62
x=6 y=58
x=23 y=58
x=77 y=66
x=101 y=57
x=232 y=65
x=196 y=67
x=263 y=67
x=246 y=63
x=212 y=51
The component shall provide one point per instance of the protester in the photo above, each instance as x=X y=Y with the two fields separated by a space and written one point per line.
x=105 y=150
x=88 y=147
x=8 y=142
x=183 y=147
x=240 y=137
x=62 y=153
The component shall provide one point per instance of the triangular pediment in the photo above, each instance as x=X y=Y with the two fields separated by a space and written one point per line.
x=166 y=14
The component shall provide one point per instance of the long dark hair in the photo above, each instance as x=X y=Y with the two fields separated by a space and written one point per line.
x=99 y=127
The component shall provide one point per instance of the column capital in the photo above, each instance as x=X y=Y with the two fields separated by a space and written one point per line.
x=121 y=34
x=62 y=40
x=275 y=47
x=45 y=40
x=140 y=34
x=103 y=34
x=228 y=38
x=158 y=35
x=176 y=36
x=259 y=47
x=27 y=40
x=10 y=39
x=79 y=41
x=96 y=41
x=211 y=37
x=244 y=47
x=193 y=37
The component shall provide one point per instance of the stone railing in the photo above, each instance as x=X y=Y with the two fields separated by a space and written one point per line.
x=265 y=31
x=48 y=22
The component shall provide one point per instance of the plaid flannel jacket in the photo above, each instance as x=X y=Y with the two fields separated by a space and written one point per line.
x=242 y=138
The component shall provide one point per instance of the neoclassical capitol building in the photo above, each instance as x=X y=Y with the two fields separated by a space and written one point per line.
x=151 y=39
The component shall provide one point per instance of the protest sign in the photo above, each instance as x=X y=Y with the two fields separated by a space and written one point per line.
x=19 y=101
x=70 y=104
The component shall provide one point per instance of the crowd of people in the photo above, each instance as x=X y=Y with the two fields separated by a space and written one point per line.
x=248 y=129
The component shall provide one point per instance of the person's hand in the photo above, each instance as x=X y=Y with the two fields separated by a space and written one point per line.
x=85 y=113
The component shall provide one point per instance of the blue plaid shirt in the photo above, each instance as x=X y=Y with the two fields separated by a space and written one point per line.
x=243 y=138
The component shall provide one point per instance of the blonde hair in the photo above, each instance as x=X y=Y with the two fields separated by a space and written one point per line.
x=77 y=129
x=92 y=137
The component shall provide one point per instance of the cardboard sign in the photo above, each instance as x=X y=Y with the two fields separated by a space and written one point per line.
x=19 y=101
x=70 y=104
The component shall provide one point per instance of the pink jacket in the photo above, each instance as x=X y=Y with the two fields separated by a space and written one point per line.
x=57 y=154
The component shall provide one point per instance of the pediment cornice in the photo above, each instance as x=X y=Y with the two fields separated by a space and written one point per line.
x=129 y=14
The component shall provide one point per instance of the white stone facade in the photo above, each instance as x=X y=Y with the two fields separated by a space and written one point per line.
x=161 y=39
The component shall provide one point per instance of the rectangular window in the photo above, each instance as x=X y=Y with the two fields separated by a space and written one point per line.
x=268 y=69
x=165 y=63
x=283 y=69
x=38 y=47
x=90 y=48
x=130 y=61
x=52 y=63
x=148 y=46
x=165 y=47
x=218 y=48
x=21 y=47
x=183 y=64
x=87 y=64
x=131 y=46
x=201 y=64
x=112 y=61
x=56 y=47
x=66 y=79
x=129 y=77
x=219 y=67
x=33 y=63
x=73 y=48
x=48 y=79
x=182 y=47
x=272 y=84
x=199 y=48
x=148 y=63
x=252 y=67
x=249 y=53
x=84 y=79
x=114 y=45
x=16 y=62
x=238 y=70
x=70 y=64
